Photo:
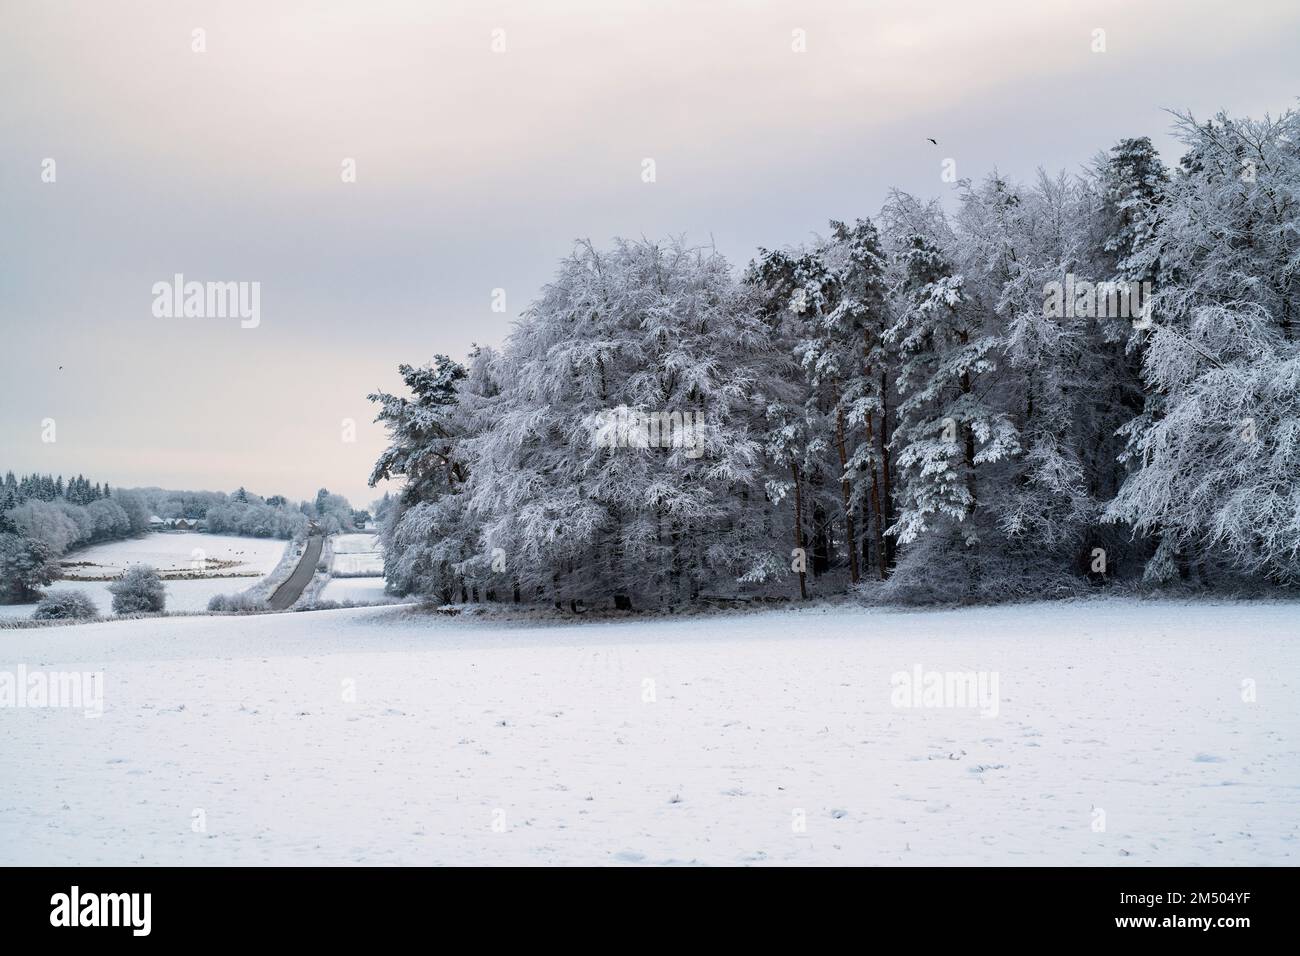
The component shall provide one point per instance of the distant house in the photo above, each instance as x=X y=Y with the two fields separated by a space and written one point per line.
x=156 y=523
x=182 y=524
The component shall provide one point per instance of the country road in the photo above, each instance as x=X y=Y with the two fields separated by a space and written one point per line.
x=292 y=589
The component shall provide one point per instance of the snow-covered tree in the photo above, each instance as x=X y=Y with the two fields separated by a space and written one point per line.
x=949 y=432
x=581 y=490
x=139 y=591
x=1223 y=335
x=26 y=566
x=1060 y=382
x=426 y=535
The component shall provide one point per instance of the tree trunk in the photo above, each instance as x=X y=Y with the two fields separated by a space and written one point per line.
x=875 y=506
x=821 y=543
x=887 y=509
x=798 y=532
x=850 y=537
x=969 y=435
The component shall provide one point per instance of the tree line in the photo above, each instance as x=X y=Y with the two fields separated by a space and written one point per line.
x=1079 y=381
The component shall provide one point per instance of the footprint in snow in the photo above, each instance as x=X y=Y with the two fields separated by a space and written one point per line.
x=1208 y=758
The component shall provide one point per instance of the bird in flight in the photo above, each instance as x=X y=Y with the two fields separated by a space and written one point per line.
x=936 y=142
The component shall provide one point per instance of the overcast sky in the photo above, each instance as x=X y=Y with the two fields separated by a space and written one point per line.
x=476 y=169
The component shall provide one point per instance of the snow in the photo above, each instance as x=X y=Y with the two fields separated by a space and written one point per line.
x=1134 y=708
x=355 y=543
x=358 y=554
x=186 y=595
x=177 y=552
x=255 y=557
x=357 y=590
x=359 y=558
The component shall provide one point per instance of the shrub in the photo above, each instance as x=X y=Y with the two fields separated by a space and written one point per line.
x=234 y=604
x=65 y=606
x=140 y=590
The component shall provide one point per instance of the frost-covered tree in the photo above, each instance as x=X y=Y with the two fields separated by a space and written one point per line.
x=859 y=264
x=1223 y=332
x=949 y=432
x=831 y=304
x=425 y=531
x=1220 y=469
x=1018 y=247
x=1131 y=181
x=582 y=491
x=983 y=390
x=136 y=510
x=792 y=443
x=48 y=523
x=26 y=566
x=139 y=591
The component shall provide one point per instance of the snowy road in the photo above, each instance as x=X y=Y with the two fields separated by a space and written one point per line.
x=1124 y=734
x=289 y=592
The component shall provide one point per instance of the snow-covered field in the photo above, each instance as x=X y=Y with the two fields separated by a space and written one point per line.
x=251 y=559
x=188 y=595
x=358 y=554
x=179 y=552
x=394 y=736
x=357 y=590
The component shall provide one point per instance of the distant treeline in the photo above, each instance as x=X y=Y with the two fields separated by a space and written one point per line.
x=42 y=517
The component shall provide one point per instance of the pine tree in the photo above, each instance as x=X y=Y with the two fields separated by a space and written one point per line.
x=427 y=535
x=946 y=430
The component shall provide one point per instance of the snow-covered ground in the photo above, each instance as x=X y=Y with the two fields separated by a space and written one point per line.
x=171 y=553
x=357 y=590
x=395 y=736
x=357 y=570
x=179 y=552
x=187 y=595
x=357 y=554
